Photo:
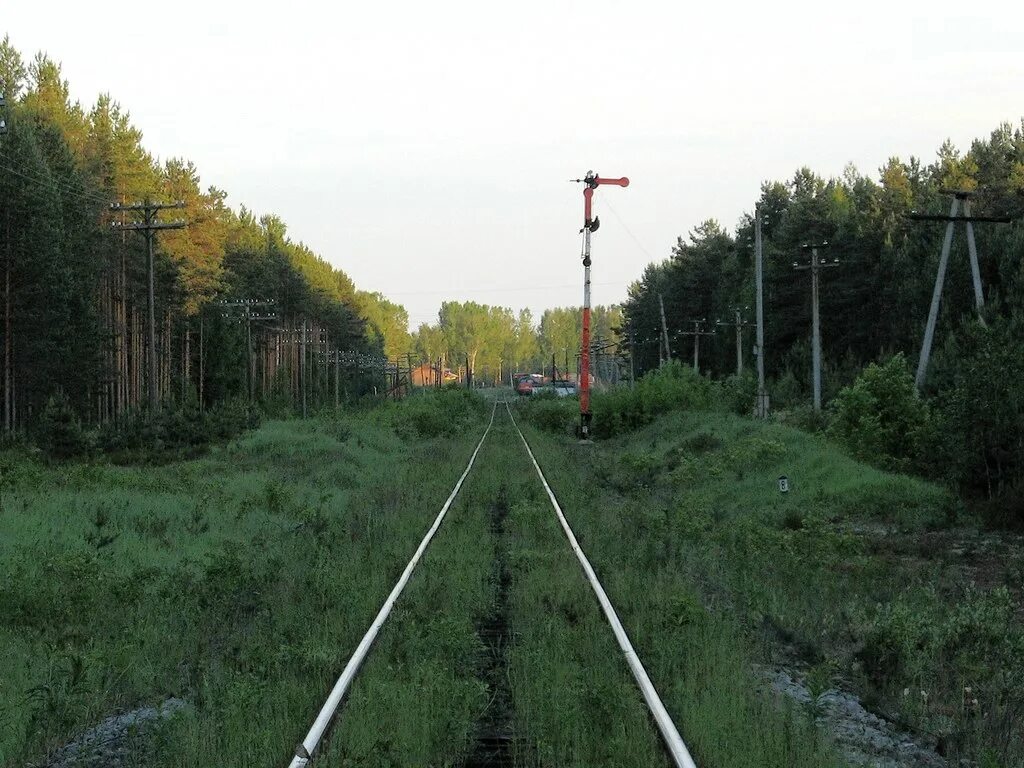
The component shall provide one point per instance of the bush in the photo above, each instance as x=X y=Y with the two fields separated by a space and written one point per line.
x=435 y=413
x=980 y=408
x=672 y=387
x=881 y=418
x=58 y=432
x=175 y=432
x=551 y=413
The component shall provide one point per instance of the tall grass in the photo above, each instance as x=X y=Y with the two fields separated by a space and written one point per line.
x=846 y=576
x=239 y=582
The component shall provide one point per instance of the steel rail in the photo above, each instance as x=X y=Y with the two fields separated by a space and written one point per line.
x=673 y=741
x=304 y=751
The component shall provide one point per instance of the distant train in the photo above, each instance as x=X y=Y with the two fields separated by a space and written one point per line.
x=534 y=383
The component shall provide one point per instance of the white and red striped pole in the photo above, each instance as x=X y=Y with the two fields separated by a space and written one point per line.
x=590 y=224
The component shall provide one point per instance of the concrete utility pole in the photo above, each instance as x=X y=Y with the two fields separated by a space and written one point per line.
x=149 y=226
x=664 y=330
x=697 y=332
x=762 y=393
x=964 y=196
x=815 y=266
x=739 y=324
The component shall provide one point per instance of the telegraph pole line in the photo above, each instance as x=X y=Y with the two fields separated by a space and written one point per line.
x=149 y=226
x=251 y=311
x=697 y=332
x=302 y=368
x=959 y=196
x=762 y=394
x=664 y=331
x=739 y=323
x=815 y=267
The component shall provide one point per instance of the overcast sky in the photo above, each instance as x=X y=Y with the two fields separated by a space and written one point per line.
x=425 y=147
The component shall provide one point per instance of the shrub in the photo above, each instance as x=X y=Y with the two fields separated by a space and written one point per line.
x=672 y=387
x=551 y=413
x=980 y=409
x=58 y=432
x=435 y=413
x=175 y=432
x=880 y=417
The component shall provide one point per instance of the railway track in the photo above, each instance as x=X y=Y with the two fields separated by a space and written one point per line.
x=495 y=737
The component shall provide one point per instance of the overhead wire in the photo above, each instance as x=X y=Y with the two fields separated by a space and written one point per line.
x=61 y=186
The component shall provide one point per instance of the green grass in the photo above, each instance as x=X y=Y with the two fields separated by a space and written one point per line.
x=240 y=582
x=684 y=520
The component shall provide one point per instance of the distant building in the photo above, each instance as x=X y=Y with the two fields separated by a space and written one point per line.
x=428 y=375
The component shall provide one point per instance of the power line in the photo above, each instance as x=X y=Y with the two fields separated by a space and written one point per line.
x=628 y=231
x=450 y=290
x=52 y=182
x=149 y=226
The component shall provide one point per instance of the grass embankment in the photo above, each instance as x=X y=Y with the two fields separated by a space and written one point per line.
x=854 y=578
x=239 y=582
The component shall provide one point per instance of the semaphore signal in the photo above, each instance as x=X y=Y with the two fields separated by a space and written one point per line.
x=590 y=224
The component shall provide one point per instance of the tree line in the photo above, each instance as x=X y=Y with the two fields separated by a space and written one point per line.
x=495 y=341
x=74 y=288
x=875 y=303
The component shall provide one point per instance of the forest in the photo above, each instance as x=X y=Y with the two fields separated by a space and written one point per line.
x=232 y=290
x=75 y=279
x=967 y=422
x=243 y=311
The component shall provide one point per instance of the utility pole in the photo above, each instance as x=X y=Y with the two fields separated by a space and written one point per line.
x=739 y=324
x=632 y=358
x=664 y=331
x=8 y=374
x=697 y=332
x=149 y=226
x=964 y=196
x=762 y=394
x=250 y=309
x=302 y=368
x=815 y=267
x=202 y=363
x=590 y=181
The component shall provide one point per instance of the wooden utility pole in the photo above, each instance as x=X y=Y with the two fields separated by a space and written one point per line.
x=664 y=331
x=762 y=393
x=252 y=310
x=739 y=323
x=149 y=226
x=202 y=365
x=302 y=369
x=959 y=196
x=632 y=359
x=697 y=332
x=815 y=267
